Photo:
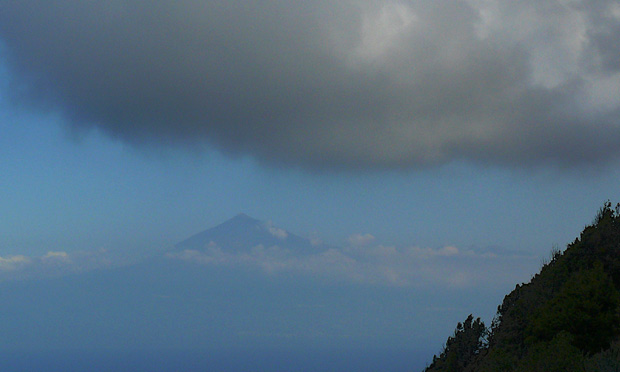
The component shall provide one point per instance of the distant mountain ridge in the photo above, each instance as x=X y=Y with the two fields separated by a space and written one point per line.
x=241 y=233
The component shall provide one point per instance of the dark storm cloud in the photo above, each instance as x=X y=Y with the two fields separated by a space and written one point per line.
x=363 y=84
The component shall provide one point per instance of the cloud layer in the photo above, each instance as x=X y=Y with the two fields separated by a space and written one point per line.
x=376 y=265
x=54 y=263
x=336 y=84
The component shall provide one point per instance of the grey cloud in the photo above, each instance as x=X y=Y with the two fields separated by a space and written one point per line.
x=330 y=84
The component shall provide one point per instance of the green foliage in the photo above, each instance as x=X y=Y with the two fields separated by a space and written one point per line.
x=567 y=318
x=605 y=361
x=461 y=348
x=556 y=355
x=586 y=307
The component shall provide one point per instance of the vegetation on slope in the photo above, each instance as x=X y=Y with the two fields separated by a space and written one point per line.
x=567 y=318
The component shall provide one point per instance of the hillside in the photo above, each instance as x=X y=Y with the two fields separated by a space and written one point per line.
x=567 y=318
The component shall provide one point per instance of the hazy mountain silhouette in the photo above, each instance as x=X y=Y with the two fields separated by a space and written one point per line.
x=242 y=233
x=163 y=302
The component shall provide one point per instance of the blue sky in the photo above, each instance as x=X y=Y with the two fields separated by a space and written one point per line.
x=67 y=192
x=444 y=147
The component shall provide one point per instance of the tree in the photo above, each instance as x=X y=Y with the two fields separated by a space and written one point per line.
x=468 y=340
x=587 y=308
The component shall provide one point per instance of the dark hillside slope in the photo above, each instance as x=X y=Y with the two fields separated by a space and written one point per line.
x=567 y=318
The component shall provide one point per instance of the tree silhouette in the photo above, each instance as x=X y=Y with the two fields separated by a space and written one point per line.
x=461 y=348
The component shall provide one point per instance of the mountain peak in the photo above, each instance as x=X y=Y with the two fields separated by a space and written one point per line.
x=242 y=217
x=242 y=233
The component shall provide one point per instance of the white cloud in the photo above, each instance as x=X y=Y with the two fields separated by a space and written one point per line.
x=430 y=252
x=361 y=239
x=56 y=256
x=278 y=233
x=14 y=262
x=54 y=263
x=378 y=265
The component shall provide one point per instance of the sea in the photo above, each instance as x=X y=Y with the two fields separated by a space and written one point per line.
x=216 y=361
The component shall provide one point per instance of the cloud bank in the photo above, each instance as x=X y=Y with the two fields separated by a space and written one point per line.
x=446 y=267
x=332 y=83
x=54 y=264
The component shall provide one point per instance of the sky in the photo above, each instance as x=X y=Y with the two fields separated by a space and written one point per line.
x=485 y=126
